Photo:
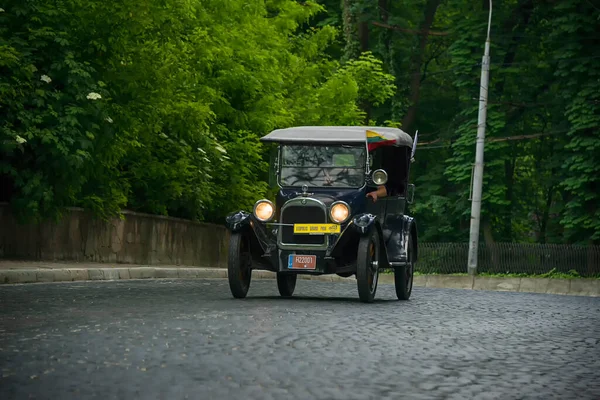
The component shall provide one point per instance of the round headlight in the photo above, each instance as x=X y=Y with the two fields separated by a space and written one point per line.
x=339 y=212
x=380 y=177
x=264 y=210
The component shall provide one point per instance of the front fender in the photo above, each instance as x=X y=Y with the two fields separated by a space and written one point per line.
x=238 y=221
x=361 y=225
x=261 y=241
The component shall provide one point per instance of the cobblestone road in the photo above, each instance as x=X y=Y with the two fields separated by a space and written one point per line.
x=189 y=339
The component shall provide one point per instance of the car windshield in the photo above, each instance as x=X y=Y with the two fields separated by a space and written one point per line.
x=334 y=166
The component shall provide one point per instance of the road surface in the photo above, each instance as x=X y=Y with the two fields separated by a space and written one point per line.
x=178 y=339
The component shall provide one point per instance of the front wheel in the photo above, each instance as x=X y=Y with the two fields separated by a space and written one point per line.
x=286 y=283
x=403 y=276
x=239 y=270
x=367 y=267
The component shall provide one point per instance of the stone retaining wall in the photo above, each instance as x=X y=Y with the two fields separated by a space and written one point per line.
x=136 y=239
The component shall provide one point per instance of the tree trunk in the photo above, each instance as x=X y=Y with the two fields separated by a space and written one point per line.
x=490 y=244
x=387 y=34
x=363 y=39
x=546 y=215
x=593 y=259
x=352 y=45
x=384 y=10
x=521 y=14
x=417 y=63
x=509 y=171
x=356 y=34
x=363 y=36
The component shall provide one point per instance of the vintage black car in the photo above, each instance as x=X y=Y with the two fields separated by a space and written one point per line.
x=322 y=221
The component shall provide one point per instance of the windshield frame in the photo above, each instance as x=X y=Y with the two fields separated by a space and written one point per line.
x=279 y=165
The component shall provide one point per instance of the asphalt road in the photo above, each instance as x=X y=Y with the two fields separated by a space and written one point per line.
x=182 y=339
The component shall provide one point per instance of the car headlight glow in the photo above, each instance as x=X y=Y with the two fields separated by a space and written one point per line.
x=264 y=210
x=339 y=212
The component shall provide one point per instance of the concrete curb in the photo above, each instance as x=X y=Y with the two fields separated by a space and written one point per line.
x=575 y=287
x=40 y=275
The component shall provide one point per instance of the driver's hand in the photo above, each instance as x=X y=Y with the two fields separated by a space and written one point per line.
x=372 y=195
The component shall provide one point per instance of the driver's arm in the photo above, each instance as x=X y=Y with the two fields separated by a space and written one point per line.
x=380 y=192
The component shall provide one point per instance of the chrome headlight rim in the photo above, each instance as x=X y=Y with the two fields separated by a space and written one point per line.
x=331 y=210
x=380 y=171
x=260 y=202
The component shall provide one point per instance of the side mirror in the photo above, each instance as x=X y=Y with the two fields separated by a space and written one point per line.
x=410 y=193
x=380 y=177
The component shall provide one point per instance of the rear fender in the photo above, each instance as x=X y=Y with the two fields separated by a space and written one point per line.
x=402 y=229
x=415 y=236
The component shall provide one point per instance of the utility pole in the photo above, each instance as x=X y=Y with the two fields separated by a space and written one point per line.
x=478 y=173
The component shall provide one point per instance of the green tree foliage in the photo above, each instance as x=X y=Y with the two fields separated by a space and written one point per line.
x=541 y=167
x=576 y=39
x=158 y=106
x=55 y=131
x=543 y=93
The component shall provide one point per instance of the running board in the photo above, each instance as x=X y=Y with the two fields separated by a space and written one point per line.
x=396 y=264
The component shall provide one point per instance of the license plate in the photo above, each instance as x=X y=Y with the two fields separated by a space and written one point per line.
x=302 y=262
x=316 y=229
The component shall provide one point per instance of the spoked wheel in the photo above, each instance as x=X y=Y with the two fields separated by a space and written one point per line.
x=403 y=276
x=367 y=268
x=286 y=283
x=239 y=265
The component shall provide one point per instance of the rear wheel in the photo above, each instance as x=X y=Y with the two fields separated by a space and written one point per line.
x=286 y=283
x=403 y=276
x=239 y=270
x=367 y=268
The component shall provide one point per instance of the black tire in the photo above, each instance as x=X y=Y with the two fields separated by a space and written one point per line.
x=367 y=274
x=239 y=272
x=286 y=283
x=403 y=276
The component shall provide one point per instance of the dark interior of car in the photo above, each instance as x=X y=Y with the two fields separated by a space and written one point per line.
x=395 y=161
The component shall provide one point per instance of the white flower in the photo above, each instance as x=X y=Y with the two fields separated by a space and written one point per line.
x=93 y=96
x=221 y=149
x=46 y=79
x=20 y=140
x=201 y=151
x=109 y=120
x=1 y=9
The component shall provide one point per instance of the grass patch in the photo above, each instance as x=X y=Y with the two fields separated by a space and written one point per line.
x=417 y=273
x=552 y=274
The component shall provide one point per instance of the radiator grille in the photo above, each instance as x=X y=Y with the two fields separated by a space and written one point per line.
x=302 y=215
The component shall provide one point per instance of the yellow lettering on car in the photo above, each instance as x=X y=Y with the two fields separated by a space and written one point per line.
x=316 y=228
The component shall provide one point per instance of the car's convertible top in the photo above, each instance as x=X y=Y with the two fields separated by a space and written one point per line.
x=375 y=135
